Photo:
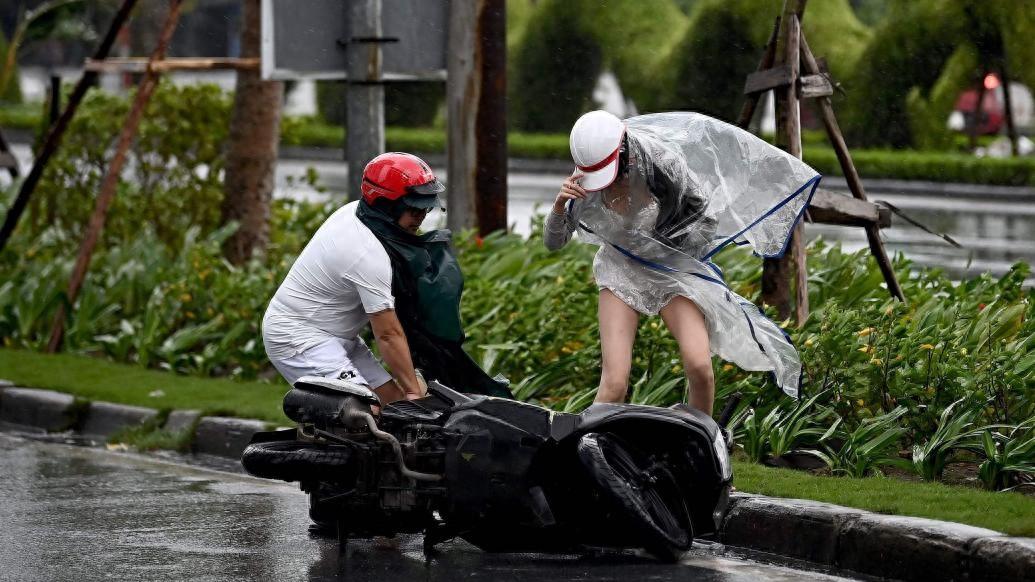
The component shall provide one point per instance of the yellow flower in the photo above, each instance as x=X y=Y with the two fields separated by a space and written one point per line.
x=867 y=349
x=963 y=351
x=861 y=402
x=185 y=297
x=876 y=362
x=808 y=343
x=677 y=369
x=865 y=332
x=926 y=346
x=889 y=310
x=654 y=325
x=190 y=315
x=560 y=280
x=727 y=367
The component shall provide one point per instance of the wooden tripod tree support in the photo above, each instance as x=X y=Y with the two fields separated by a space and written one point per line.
x=111 y=177
x=793 y=73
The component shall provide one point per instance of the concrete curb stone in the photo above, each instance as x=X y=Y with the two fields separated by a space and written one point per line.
x=104 y=419
x=1002 y=559
x=181 y=420
x=225 y=437
x=42 y=409
x=807 y=530
x=6 y=384
x=908 y=548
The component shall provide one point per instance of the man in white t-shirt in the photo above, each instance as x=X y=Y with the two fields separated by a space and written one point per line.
x=343 y=279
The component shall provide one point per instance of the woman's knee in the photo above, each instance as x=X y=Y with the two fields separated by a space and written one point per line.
x=699 y=371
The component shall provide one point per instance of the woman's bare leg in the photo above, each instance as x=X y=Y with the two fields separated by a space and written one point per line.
x=686 y=323
x=618 y=324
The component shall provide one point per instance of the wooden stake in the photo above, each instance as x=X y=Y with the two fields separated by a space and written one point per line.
x=851 y=176
x=747 y=111
x=1011 y=129
x=111 y=177
x=975 y=118
x=57 y=130
x=777 y=273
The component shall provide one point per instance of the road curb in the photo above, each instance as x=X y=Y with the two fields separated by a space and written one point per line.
x=34 y=410
x=103 y=419
x=890 y=546
x=225 y=437
x=39 y=410
x=905 y=548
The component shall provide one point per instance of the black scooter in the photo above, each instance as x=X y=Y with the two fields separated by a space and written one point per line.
x=500 y=474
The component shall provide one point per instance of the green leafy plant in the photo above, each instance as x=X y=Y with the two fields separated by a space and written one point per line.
x=783 y=429
x=1007 y=456
x=867 y=447
x=955 y=431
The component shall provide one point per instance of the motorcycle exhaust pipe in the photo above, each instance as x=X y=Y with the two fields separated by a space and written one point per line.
x=353 y=414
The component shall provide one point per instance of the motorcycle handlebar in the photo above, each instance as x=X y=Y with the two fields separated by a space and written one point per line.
x=727 y=411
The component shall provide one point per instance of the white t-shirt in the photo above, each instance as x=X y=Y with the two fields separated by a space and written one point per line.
x=343 y=275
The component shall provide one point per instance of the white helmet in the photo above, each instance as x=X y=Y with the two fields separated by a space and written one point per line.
x=595 y=140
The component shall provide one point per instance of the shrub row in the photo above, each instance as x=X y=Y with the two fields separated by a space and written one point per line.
x=935 y=166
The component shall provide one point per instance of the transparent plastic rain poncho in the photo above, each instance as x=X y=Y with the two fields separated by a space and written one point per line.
x=694 y=185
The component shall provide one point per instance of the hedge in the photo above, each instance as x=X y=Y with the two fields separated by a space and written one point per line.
x=897 y=164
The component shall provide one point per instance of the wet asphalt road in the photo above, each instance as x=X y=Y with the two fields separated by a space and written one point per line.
x=74 y=513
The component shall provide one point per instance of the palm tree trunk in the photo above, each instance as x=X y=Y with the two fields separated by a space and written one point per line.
x=252 y=152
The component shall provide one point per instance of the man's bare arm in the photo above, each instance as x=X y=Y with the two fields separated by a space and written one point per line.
x=391 y=342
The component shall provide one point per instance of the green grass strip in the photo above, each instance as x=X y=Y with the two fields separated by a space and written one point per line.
x=95 y=379
x=1010 y=513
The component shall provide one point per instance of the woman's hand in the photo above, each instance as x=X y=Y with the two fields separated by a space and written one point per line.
x=570 y=190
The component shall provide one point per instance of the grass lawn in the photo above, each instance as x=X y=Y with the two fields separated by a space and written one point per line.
x=1011 y=513
x=95 y=379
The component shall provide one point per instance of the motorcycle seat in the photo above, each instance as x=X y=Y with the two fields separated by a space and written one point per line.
x=336 y=386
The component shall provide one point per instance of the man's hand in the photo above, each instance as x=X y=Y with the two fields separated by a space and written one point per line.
x=391 y=342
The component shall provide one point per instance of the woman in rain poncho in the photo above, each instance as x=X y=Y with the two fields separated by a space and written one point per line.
x=661 y=194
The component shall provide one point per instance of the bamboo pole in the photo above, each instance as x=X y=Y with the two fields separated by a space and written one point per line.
x=837 y=140
x=140 y=65
x=111 y=177
x=57 y=130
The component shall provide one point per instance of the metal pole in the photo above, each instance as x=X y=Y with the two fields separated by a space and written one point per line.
x=365 y=92
x=477 y=115
x=57 y=130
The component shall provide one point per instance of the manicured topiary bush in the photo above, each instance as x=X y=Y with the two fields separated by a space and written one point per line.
x=554 y=69
x=922 y=56
x=724 y=42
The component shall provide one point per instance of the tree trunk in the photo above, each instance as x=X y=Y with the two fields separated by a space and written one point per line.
x=252 y=153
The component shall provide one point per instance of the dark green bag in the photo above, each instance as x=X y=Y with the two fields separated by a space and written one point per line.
x=427 y=285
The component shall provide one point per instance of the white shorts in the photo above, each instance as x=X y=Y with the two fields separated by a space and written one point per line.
x=335 y=358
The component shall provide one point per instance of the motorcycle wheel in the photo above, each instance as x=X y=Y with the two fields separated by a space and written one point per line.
x=644 y=492
x=296 y=460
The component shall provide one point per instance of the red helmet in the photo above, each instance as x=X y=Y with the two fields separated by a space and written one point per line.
x=395 y=176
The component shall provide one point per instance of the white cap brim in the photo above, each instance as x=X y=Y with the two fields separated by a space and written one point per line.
x=600 y=179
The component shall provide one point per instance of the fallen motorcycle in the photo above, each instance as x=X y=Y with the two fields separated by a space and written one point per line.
x=501 y=474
